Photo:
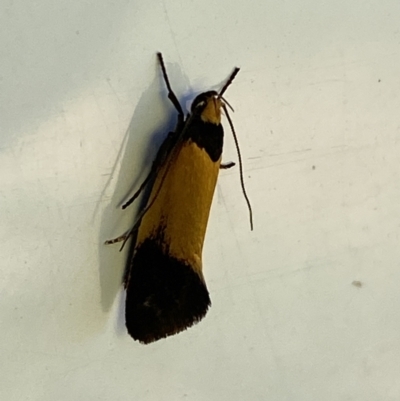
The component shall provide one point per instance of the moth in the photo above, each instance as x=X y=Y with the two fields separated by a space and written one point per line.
x=165 y=287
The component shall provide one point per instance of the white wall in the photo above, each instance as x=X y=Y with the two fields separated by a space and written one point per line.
x=82 y=109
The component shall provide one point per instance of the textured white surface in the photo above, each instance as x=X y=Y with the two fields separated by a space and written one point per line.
x=82 y=109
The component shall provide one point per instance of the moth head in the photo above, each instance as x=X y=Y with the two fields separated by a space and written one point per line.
x=208 y=106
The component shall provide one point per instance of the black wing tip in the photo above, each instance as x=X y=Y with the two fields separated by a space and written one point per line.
x=140 y=332
x=164 y=295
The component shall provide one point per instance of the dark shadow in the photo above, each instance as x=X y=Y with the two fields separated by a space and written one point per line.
x=120 y=319
x=153 y=105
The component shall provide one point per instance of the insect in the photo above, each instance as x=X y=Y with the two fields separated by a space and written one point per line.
x=165 y=287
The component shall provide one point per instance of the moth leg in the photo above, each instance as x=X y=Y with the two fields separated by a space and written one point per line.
x=141 y=188
x=121 y=238
x=171 y=94
x=159 y=160
x=226 y=166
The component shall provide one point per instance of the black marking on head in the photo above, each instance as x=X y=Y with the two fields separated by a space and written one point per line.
x=164 y=295
x=206 y=135
x=200 y=101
